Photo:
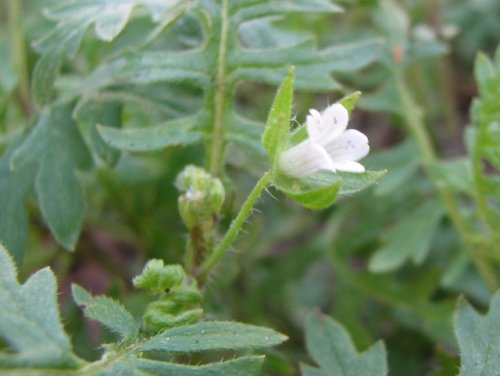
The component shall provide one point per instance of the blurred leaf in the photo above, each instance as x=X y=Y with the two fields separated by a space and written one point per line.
x=479 y=338
x=331 y=347
x=170 y=133
x=275 y=135
x=73 y=19
x=14 y=186
x=410 y=238
x=454 y=175
x=30 y=321
x=56 y=147
x=107 y=311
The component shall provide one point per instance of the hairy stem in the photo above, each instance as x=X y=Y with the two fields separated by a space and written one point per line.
x=234 y=228
x=217 y=141
x=416 y=126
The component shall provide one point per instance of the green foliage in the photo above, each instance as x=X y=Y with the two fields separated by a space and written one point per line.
x=107 y=311
x=157 y=277
x=278 y=122
x=30 y=321
x=31 y=325
x=332 y=349
x=479 y=338
x=74 y=19
x=410 y=238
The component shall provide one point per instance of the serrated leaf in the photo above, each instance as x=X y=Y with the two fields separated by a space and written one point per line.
x=170 y=133
x=55 y=146
x=29 y=319
x=73 y=19
x=332 y=349
x=275 y=135
x=107 y=311
x=248 y=366
x=478 y=338
x=213 y=335
x=410 y=238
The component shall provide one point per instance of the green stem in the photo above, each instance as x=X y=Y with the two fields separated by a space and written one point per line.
x=18 y=52
x=217 y=140
x=235 y=227
x=416 y=126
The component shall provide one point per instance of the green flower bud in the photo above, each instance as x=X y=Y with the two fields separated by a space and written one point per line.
x=157 y=277
x=203 y=195
x=186 y=296
x=156 y=320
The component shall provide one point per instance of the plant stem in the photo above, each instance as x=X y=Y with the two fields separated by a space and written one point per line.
x=235 y=227
x=217 y=141
x=415 y=124
x=18 y=52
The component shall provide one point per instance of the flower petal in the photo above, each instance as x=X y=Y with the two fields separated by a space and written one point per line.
x=335 y=119
x=305 y=159
x=349 y=166
x=314 y=123
x=351 y=145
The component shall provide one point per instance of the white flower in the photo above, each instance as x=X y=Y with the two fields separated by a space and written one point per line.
x=329 y=145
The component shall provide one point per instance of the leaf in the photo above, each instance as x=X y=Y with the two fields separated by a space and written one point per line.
x=29 y=320
x=107 y=311
x=275 y=135
x=55 y=146
x=73 y=20
x=332 y=349
x=478 y=338
x=321 y=189
x=213 y=335
x=311 y=192
x=14 y=186
x=247 y=366
x=170 y=133
x=454 y=175
x=410 y=238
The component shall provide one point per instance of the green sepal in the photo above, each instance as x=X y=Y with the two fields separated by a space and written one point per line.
x=321 y=189
x=275 y=135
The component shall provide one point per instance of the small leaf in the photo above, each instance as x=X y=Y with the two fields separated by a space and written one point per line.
x=455 y=175
x=311 y=192
x=30 y=321
x=213 y=335
x=349 y=101
x=321 y=189
x=332 y=349
x=107 y=311
x=275 y=135
x=478 y=338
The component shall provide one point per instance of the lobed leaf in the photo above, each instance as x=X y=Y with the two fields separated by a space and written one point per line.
x=478 y=338
x=332 y=349
x=29 y=320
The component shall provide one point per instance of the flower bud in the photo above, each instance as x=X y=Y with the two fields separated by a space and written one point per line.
x=157 y=277
x=203 y=195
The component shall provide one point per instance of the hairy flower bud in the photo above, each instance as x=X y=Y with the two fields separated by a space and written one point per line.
x=157 y=277
x=203 y=195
